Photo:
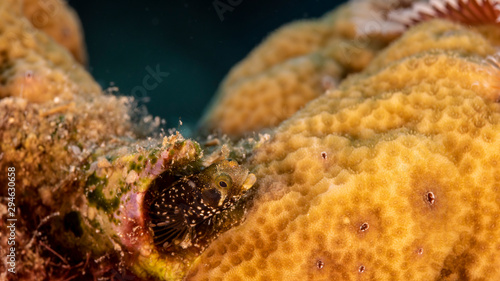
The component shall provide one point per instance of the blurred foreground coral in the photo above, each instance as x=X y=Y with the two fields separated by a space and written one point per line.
x=54 y=121
x=57 y=19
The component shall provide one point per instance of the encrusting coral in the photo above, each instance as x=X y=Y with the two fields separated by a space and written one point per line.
x=35 y=67
x=50 y=104
x=298 y=62
x=53 y=120
x=81 y=171
x=59 y=21
x=391 y=173
x=295 y=65
x=82 y=174
x=391 y=176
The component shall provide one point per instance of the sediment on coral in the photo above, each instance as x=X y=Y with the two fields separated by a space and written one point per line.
x=55 y=122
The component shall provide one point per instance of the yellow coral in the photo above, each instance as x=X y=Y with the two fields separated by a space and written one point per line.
x=393 y=176
x=35 y=67
x=54 y=119
x=51 y=110
x=295 y=65
x=287 y=70
x=59 y=21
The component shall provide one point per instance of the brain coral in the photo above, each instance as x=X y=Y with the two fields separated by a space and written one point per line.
x=394 y=175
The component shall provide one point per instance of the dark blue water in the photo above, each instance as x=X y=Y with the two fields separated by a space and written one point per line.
x=186 y=47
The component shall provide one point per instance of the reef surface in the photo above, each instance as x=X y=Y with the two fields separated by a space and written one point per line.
x=377 y=157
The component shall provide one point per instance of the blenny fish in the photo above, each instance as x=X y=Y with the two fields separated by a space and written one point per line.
x=194 y=209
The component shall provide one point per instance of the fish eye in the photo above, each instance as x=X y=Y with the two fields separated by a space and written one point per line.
x=231 y=163
x=223 y=181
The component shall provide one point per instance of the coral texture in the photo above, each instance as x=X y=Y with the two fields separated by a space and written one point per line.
x=298 y=62
x=51 y=107
x=54 y=121
x=82 y=172
x=295 y=65
x=59 y=21
x=392 y=176
x=35 y=67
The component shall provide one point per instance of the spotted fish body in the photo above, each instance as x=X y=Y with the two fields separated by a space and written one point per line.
x=195 y=208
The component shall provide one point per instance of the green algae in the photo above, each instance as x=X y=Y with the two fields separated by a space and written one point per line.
x=94 y=189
